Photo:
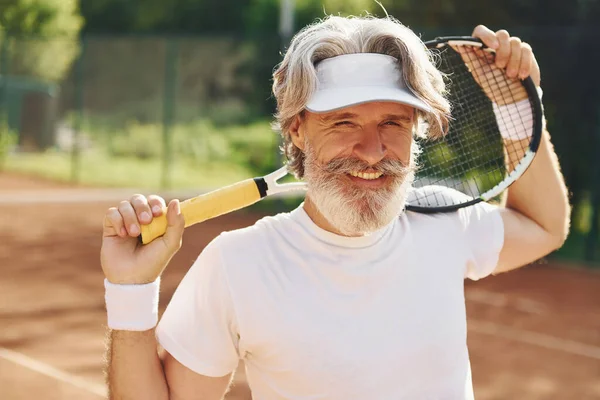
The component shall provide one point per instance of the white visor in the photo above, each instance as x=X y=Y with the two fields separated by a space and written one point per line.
x=353 y=79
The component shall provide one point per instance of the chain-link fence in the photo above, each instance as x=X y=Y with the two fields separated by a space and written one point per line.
x=194 y=112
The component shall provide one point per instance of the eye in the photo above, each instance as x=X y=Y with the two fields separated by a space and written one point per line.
x=344 y=123
x=392 y=123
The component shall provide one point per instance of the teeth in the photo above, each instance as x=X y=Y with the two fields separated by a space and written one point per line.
x=366 y=175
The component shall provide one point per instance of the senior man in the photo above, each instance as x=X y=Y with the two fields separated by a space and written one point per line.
x=347 y=296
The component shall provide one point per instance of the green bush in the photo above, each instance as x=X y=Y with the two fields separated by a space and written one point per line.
x=254 y=145
x=8 y=139
x=138 y=141
x=198 y=143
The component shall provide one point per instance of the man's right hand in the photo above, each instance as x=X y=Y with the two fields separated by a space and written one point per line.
x=124 y=259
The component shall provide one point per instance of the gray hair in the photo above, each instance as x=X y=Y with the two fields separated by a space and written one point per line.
x=295 y=79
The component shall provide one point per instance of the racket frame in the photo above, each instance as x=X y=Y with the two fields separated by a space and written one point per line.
x=269 y=184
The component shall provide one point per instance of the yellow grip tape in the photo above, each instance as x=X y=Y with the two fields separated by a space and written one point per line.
x=206 y=206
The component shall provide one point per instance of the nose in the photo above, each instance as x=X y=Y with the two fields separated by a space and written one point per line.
x=370 y=148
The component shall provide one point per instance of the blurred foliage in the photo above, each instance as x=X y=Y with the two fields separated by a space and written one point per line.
x=8 y=139
x=40 y=18
x=251 y=16
x=205 y=16
x=200 y=143
x=99 y=169
x=203 y=154
x=37 y=20
x=174 y=16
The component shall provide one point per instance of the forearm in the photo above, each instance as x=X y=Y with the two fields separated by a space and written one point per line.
x=541 y=195
x=134 y=368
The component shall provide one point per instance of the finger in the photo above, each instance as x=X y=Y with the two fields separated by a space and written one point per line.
x=142 y=208
x=535 y=70
x=157 y=204
x=512 y=68
x=175 y=225
x=503 y=50
x=113 y=223
x=130 y=220
x=526 y=61
x=487 y=36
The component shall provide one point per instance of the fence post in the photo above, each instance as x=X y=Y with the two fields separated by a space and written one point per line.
x=287 y=14
x=4 y=85
x=171 y=59
x=286 y=30
x=78 y=122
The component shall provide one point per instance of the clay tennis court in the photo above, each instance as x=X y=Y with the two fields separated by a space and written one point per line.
x=533 y=333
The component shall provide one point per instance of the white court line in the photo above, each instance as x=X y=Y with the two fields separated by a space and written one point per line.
x=52 y=372
x=534 y=338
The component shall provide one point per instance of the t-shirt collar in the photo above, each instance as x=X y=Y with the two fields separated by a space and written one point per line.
x=300 y=215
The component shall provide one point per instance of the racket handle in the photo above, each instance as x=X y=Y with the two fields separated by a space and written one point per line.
x=206 y=206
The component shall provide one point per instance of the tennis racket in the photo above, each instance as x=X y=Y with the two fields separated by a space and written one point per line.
x=493 y=137
x=495 y=131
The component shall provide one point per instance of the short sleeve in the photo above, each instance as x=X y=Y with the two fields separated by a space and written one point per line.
x=484 y=232
x=199 y=327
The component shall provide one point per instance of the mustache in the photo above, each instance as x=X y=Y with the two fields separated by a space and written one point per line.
x=389 y=167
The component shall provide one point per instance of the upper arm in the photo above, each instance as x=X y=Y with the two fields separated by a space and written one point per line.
x=198 y=329
x=500 y=239
x=186 y=384
x=483 y=231
x=524 y=241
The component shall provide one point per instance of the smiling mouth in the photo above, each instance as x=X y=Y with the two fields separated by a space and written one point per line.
x=369 y=176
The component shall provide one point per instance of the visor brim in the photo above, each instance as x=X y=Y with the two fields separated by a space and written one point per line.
x=338 y=98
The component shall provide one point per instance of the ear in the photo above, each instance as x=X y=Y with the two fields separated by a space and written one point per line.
x=297 y=130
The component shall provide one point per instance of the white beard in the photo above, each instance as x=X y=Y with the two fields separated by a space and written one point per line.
x=352 y=210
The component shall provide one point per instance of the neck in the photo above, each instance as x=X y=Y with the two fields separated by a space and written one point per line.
x=319 y=220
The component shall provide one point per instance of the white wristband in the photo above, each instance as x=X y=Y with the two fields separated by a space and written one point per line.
x=132 y=307
x=508 y=127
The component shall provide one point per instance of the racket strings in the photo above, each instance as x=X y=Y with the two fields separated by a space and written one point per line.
x=473 y=157
x=470 y=151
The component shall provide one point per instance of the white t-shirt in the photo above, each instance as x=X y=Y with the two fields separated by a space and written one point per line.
x=315 y=315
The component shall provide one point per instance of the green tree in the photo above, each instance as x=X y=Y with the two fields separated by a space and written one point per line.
x=40 y=36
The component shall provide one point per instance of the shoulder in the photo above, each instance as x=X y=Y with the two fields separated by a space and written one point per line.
x=433 y=195
x=430 y=196
x=451 y=226
x=474 y=226
x=436 y=195
x=248 y=257
x=249 y=244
